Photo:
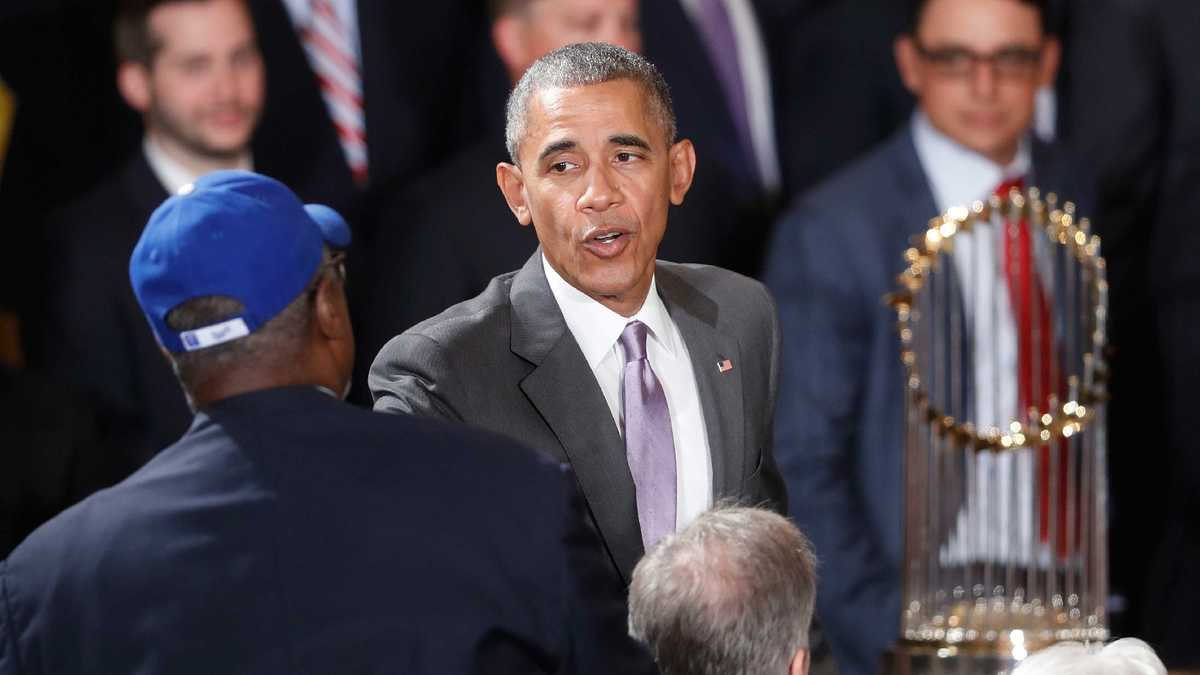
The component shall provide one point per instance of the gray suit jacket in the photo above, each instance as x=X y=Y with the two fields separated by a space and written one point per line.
x=505 y=361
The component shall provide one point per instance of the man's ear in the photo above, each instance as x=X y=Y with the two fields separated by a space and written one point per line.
x=512 y=186
x=1051 y=55
x=799 y=665
x=683 y=168
x=332 y=315
x=133 y=81
x=905 y=51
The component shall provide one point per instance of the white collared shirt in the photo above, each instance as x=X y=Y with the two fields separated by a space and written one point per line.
x=173 y=175
x=597 y=329
x=756 y=83
x=957 y=177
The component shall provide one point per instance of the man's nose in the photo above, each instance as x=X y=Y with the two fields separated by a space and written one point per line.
x=224 y=82
x=602 y=191
x=984 y=80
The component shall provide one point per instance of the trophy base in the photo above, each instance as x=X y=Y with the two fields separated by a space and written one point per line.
x=908 y=658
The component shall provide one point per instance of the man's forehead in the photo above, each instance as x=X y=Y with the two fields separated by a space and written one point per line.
x=200 y=25
x=980 y=23
x=574 y=8
x=586 y=107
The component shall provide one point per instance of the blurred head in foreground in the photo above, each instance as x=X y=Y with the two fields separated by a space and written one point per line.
x=1127 y=656
x=730 y=594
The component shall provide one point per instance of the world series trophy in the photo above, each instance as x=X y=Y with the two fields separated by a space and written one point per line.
x=1001 y=313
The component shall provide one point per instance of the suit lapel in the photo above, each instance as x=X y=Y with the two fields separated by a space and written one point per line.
x=911 y=186
x=720 y=390
x=564 y=391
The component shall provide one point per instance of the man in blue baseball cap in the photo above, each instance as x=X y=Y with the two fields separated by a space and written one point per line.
x=235 y=270
x=287 y=531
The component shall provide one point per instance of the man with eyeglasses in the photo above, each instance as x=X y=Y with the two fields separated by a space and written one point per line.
x=975 y=67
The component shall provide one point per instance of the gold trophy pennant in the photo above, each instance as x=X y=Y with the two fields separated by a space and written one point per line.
x=1001 y=313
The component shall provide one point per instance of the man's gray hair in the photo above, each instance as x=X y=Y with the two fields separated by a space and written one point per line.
x=583 y=64
x=731 y=594
x=1127 y=656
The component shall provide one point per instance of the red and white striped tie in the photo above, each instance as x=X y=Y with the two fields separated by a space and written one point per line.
x=335 y=64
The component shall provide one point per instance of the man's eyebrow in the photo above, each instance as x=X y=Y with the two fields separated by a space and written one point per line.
x=630 y=140
x=557 y=146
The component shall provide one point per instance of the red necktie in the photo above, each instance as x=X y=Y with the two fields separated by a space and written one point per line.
x=335 y=64
x=1035 y=352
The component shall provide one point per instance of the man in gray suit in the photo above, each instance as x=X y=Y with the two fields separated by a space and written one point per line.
x=655 y=381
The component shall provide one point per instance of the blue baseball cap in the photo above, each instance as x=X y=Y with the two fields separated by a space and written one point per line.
x=231 y=233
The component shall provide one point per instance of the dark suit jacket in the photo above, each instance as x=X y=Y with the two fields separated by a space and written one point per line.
x=439 y=243
x=835 y=256
x=1114 y=45
x=287 y=532
x=837 y=86
x=96 y=337
x=1173 y=589
x=505 y=361
x=410 y=92
x=725 y=219
x=50 y=457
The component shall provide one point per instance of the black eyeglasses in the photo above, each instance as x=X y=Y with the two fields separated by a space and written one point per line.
x=1010 y=62
x=336 y=261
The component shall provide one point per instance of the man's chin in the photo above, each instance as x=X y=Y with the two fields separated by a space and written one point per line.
x=999 y=148
x=222 y=149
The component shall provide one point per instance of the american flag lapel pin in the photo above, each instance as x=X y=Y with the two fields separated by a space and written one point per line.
x=724 y=365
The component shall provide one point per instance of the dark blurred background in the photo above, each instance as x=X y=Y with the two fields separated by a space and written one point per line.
x=82 y=408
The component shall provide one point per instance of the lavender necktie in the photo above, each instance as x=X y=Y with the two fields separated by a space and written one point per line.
x=649 y=444
x=721 y=43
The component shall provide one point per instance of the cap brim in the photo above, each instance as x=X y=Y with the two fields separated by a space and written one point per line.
x=334 y=229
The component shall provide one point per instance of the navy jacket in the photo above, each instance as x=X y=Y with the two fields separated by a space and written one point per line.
x=839 y=421
x=287 y=532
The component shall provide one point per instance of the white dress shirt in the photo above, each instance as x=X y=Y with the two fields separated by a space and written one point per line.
x=173 y=175
x=596 y=329
x=756 y=83
x=958 y=176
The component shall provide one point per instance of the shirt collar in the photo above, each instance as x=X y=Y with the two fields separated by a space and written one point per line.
x=596 y=328
x=174 y=175
x=958 y=175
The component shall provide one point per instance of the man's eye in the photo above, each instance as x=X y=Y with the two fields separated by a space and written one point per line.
x=194 y=66
x=952 y=57
x=626 y=156
x=560 y=167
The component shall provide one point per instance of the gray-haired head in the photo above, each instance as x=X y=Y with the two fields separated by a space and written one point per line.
x=731 y=594
x=1127 y=656
x=580 y=65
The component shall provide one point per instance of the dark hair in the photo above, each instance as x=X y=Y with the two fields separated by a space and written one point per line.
x=132 y=37
x=582 y=64
x=917 y=10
